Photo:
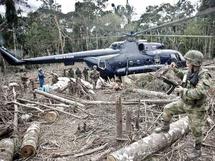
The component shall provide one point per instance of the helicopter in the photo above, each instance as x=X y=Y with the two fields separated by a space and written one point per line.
x=121 y=58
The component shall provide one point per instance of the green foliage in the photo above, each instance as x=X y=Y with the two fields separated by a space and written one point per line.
x=41 y=35
x=157 y=15
x=205 y=4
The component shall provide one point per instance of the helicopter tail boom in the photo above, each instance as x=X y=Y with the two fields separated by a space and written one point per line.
x=10 y=57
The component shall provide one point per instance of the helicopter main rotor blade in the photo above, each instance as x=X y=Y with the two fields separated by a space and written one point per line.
x=202 y=13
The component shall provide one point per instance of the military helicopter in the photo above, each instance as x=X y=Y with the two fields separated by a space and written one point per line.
x=121 y=58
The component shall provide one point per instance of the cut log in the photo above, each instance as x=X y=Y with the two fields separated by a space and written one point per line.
x=30 y=140
x=58 y=98
x=51 y=116
x=6 y=149
x=151 y=144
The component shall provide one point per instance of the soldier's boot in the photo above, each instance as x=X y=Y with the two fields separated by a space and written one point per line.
x=164 y=128
x=196 y=153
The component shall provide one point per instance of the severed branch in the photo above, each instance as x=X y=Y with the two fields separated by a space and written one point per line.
x=99 y=156
x=91 y=150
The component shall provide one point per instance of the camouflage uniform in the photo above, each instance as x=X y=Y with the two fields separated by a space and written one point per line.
x=192 y=100
x=54 y=78
x=78 y=73
x=94 y=76
x=85 y=73
x=71 y=73
x=24 y=80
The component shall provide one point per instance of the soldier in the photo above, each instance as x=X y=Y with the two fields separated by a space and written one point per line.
x=24 y=80
x=94 y=76
x=192 y=99
x=33 y=87
x=54 y=78
x=117 y=85
x=78 y=73
x=71 y=73
x=41 y=77
x=85 y=73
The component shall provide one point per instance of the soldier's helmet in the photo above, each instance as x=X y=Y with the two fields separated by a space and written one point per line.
x=94 y=67
x=195 y=57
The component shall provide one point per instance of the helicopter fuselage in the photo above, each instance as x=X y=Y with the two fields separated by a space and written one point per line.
x=121 y=58
x=132 y=60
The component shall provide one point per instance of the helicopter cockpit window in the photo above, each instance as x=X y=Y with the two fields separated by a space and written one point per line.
x=116 y=46
x=138 y=62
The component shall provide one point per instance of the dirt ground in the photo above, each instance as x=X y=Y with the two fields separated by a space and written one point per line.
x=68 y=138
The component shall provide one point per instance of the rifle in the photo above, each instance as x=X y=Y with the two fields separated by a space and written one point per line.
x=173 y=84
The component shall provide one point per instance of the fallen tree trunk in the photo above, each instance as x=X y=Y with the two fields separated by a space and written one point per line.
x=58 y=98
x=147 y=93
x=30 y=140
x=7 y=149
x=145 y=101
x=153 y=143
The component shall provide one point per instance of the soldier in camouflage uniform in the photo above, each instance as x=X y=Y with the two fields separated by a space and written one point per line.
x=192 y=99
x=94 y=76
x=85 y=73
x=78 y=73
x=54 y=78
x=71 y=73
